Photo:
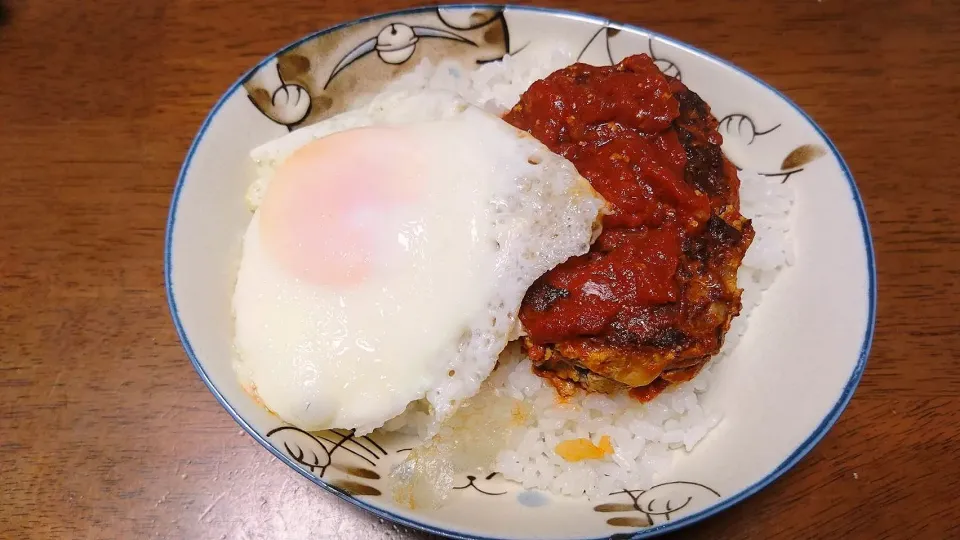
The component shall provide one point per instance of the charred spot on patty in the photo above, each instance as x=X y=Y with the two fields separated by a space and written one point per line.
x=722 y=232
x=669 y=338
x=542 y=295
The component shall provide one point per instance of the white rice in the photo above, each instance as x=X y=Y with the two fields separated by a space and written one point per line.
x=495 y=86
x=643 y=436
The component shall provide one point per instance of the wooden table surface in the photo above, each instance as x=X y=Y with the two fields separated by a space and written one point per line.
x=107 y=432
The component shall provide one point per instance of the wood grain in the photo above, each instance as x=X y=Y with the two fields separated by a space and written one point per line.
x=106 y=431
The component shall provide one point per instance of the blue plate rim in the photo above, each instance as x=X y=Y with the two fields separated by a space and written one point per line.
x=828 y=421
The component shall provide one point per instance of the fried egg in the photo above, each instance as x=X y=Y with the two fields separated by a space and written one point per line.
x=387 y=256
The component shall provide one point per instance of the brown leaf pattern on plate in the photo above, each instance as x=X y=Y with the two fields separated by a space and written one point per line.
x=292 y=65
x=613 y=507
x=359 y=472
x=802 y=155
x=629 y=522
x=356 y=488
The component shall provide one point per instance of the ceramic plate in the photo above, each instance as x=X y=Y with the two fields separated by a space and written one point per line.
x=808 y=340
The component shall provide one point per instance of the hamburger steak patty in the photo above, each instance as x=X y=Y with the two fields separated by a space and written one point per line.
x=652 y=300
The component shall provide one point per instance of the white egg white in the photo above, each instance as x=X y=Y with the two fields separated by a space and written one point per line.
x=498 y=211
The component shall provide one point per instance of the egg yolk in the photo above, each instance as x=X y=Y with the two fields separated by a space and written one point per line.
x=326 y=214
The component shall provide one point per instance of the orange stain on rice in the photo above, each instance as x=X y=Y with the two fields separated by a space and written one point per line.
x=583 y=448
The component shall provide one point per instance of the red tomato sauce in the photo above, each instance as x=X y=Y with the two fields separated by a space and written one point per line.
x=613 y=125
